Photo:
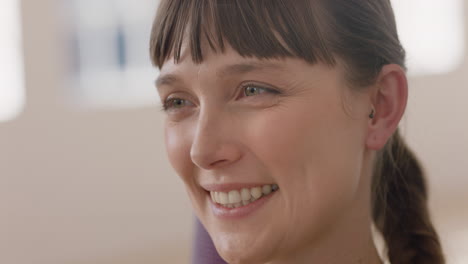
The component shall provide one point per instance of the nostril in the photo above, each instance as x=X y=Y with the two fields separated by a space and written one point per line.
x=217 y=163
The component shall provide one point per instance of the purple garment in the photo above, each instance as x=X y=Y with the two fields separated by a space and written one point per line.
x=204 y=251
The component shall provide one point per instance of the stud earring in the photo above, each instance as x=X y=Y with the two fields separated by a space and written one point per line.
x=372 y=114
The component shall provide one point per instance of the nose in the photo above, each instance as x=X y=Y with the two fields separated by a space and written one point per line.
x=214 y=143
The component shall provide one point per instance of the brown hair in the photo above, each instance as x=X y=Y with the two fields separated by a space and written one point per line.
x=363 y=34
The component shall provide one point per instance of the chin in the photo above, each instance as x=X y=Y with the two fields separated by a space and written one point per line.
x=238 y=256
x=243 y=249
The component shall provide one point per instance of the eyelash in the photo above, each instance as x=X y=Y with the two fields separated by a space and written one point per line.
x=167 y=103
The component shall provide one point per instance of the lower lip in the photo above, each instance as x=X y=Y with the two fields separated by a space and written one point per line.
x=239 y=212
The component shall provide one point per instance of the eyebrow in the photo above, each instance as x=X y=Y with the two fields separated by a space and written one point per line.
x=233 y=69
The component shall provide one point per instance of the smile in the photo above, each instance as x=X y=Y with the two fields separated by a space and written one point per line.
x=242 y=197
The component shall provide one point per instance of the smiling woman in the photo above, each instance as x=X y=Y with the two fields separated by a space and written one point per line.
x=282 y=122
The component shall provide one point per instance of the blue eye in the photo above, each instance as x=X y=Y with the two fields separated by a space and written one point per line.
x=249 y=90
x=253 y=90
x=174 y=103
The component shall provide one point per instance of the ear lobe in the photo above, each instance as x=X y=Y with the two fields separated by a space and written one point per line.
x=389 y=101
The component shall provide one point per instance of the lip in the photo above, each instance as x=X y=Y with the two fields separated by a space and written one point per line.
x=239 y=212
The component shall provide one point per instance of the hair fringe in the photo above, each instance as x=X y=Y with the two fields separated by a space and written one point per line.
x=264 y=29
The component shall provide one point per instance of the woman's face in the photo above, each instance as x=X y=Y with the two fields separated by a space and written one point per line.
x=237 y=123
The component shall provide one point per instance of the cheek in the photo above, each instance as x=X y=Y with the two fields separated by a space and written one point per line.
x=178 y=143
x=315 y=158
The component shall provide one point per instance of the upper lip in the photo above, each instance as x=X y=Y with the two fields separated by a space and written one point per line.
x=231 y=186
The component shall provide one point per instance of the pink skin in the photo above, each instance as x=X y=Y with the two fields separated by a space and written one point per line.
x=314 y=140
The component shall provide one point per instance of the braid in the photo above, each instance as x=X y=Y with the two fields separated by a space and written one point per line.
x=399 y=209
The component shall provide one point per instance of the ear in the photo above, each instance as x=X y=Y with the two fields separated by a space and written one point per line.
x=389 y=100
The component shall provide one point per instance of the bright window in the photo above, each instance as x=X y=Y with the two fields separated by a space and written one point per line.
x=432 y=32
x=11 y=61
x=110 y=64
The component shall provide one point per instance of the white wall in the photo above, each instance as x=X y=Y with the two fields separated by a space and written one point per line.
x=88 y=186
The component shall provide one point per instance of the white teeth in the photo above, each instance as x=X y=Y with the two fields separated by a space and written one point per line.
x=245 y=194
x=266 y=189
x=234 y=197
x=223 y=198
x=238 y=198
x=215 y=197
x=256 y=192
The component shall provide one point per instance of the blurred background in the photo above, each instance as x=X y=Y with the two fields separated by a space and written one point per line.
x=84 y=176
